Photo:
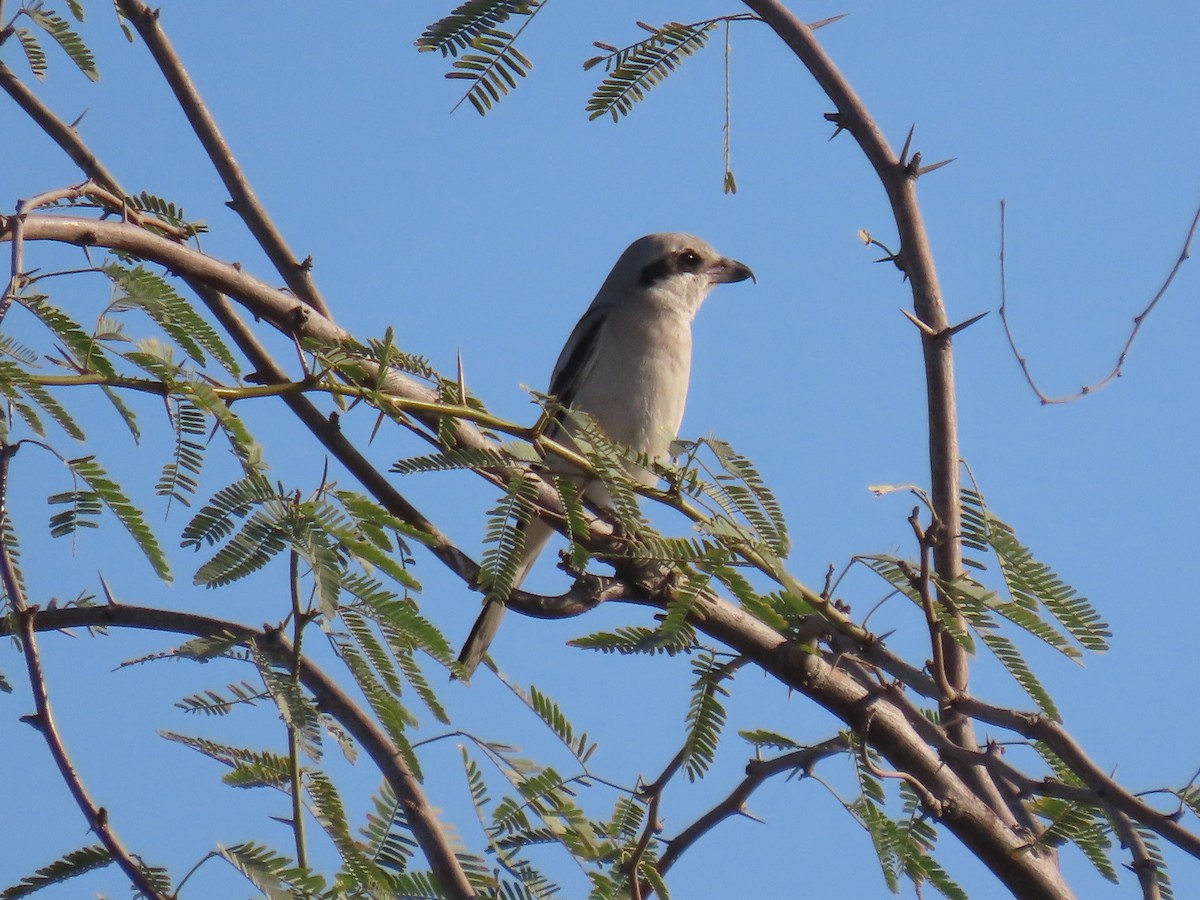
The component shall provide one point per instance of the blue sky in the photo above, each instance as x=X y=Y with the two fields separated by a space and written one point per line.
x=488 y=237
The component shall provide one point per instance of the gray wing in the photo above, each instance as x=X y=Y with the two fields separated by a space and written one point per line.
x=578 y=357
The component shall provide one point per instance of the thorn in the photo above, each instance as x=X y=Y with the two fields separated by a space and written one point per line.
x=925 y=170
x=907 y=144
x=815 y=25
x=108 y=594
x=378 y=424
x=745 y=813
x=462 y=382
x=33 y=720
x=955 y=329
x=836 y=119
x=912 y=318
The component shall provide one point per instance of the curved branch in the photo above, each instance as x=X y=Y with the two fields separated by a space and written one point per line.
x=329 y=696
x=1138 y=320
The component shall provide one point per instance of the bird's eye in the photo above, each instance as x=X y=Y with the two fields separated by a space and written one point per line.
x=689 y=260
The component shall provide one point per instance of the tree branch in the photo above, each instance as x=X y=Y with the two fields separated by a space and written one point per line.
x=329 y=696
x=25 y=617
x=296 y=274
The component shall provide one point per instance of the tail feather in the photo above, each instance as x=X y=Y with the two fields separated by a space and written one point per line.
x=537 y=534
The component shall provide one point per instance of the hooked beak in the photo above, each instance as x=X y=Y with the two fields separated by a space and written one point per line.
x=727 y=271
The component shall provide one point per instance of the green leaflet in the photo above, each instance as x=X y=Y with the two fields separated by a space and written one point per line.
x=212 y=703
x=166 y=211
x=635 y=69
x=706 y=714
x=504 y=536
x=59 y=29
x=1031 y=583
x=104 y=490
x=69 y=865
x=139 y=288
x=388 y=838
x=276 y=876
x=496 y=64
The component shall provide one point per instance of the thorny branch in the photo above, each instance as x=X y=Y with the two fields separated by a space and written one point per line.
x=1138 y=321
x=975 y=809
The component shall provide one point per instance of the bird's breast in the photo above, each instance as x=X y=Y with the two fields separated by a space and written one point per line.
x=638 y=389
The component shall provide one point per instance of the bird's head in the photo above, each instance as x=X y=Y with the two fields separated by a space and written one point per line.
x=673 y=270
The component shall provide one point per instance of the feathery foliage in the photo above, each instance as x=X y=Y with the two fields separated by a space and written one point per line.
x=706 y=714
x=633 y=639
x=496 y=64
x=60 y=31
x=213 y=703
x=388 y=841
x=69 y=865
x=1029 y=582
x=86 y=503
x=18 y=385
x=166 y=211
x=635 y=69
x=275 y=875
x=504 y=537
x=178 y=480
x=139 y=288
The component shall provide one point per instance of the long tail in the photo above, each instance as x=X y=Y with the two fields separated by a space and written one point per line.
x=537 y=533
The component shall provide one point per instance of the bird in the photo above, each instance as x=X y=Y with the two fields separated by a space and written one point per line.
x=626 y=364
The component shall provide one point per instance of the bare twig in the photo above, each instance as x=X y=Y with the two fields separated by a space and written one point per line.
x=1138 y=320
x=97 y=816
x=757 y=772
x=921 y=582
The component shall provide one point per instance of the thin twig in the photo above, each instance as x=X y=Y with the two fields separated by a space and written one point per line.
x=921 y=582
x=1138 y=320
x=757 y=772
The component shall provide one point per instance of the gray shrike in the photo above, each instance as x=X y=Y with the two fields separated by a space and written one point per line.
x=626 y=365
